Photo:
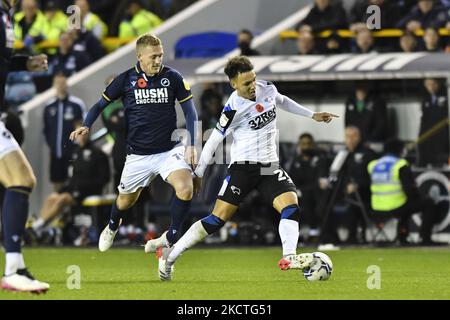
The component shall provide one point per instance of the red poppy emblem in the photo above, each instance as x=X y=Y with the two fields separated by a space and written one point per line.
x=141 y=83
x=259 y=108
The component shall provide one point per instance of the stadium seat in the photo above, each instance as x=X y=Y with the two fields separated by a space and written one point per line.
x=19 y=88
x=205 y=45
x=380 y=235
x=377 y=225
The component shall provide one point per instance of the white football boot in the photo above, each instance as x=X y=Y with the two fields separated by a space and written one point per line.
x=21 y=283
x=154 y=244
x=165 y=268
x=107 y=237
x=26 y=273
x=296 y=261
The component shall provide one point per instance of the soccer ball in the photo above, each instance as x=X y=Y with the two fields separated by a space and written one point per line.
x=320 y=269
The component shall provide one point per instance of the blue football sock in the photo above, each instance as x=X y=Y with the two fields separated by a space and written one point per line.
x=15 y=214
x=115 y=217
x=291 y=212
x=179 y=210
x=212 y=223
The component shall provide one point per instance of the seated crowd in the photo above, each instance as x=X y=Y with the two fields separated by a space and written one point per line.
x=408 y=16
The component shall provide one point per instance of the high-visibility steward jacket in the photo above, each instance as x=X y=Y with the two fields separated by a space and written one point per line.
x=94 y=24
x=38 y=28
x=386 y=187
x=143 y=21
x=57 y=25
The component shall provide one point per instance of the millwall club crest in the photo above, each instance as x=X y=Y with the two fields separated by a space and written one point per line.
x=259 y=108
x=165 y=82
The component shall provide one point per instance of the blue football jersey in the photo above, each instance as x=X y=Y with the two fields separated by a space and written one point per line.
x=149 y=103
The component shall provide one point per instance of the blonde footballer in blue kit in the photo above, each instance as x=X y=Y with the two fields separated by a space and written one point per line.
x=250 y=116
x=149 y=91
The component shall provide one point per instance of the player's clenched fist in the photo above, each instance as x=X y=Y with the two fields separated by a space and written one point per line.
x=81 y=131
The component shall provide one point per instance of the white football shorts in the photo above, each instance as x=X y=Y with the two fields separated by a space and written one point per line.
x=7 y=141
x=139 y=170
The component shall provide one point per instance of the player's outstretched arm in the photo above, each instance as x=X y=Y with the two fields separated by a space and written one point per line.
x=289 y=105
x=92 y=115
x=324 y=116
x=210 y=147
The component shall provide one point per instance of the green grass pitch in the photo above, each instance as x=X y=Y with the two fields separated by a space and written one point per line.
x=250 y=273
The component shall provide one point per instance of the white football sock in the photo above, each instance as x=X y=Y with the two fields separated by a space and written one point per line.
x=289 y=233
x=14 y=261
x=195 y=234
x=21 y=262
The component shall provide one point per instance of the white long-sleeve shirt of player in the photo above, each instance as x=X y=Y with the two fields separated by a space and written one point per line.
x=252 y=125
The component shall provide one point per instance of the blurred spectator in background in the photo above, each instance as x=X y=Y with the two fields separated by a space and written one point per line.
x=359 y=16
x=67 y=60
x=395 y=193
x=86 y=43
x=365 y=42
x=427 y=13
x=367 y=111
x=355 y=180
x=324 y=16
x=408 y=42
x=137 y=20
x=434 y=149
x=89 y=176
x=245 y=38
x=30 y=24
x=57 y=21
x=307 y=166
x=431 y=40
x=405 y=6
x=113 y=118
x=211 y=104
x=334 y=44
x=306 y=43
x=90 y=21
x=62 y=115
